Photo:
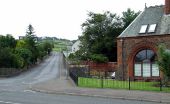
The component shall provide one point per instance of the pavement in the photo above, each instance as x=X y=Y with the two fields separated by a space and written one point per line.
x=66 y=86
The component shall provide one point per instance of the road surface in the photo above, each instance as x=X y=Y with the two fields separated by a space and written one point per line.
x=16 y=90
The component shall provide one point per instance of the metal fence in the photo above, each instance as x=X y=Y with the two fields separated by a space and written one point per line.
x=76 y=72
x=82 y=78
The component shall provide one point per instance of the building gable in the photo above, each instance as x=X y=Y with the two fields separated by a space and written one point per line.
x=150 y=16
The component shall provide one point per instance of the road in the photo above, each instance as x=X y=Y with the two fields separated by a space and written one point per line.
x=16 y=90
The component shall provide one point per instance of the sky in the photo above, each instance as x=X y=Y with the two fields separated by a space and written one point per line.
x=59 y=18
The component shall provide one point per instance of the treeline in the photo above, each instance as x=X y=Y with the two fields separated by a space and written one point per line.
x=99 y=36
x=24 y=52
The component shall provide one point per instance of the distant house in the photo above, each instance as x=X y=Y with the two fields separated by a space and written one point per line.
x=35 y=38
x=21 y=37
x=138 y=43
x=76 y=46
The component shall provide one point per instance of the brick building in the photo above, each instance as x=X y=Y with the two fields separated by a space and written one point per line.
x=138 y=43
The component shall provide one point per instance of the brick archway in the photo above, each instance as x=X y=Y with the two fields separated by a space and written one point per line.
x=136 y=48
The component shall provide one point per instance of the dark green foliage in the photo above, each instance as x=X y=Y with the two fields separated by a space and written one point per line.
x=164 y=60
x=47 y=46
x=7 y=41
x=9 y=60
x=26 y=55
x=99 y=58
x=100 y=33
x=30 y=40
x=44 y=48
x=129 y=16
x=41 y=51
x=22 y=53
x=71 y=56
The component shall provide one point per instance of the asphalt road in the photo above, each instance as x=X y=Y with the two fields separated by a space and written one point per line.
x=16 y=90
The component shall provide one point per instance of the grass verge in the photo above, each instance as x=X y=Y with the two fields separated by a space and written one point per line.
x=114 y=84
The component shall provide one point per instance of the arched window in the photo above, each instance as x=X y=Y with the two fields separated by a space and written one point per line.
x=145 y=64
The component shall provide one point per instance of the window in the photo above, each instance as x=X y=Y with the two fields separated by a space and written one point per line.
x=143 y=29
x=145 y=65
x=138 y=69
x=152 y=28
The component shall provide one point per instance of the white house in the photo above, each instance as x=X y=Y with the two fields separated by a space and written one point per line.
x=76 y=46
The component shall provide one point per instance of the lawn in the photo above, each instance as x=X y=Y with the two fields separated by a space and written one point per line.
x=114 y=84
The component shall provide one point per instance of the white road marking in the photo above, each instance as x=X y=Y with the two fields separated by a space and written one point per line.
x=28 y=83
x=29 y=91
x=6 y=102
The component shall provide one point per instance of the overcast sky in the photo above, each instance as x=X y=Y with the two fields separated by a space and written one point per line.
x=59 y=18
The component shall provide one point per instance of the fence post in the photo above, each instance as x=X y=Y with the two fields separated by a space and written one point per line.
x=102 y=82
x=129 y=83
x=160 y=84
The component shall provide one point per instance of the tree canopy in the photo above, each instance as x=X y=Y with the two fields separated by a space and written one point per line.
x=22 y=53
x=128 y=17
x=100 y=32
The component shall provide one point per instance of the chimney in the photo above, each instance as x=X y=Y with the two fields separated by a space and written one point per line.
x=167 y=7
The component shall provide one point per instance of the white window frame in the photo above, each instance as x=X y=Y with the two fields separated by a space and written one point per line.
x=143 y=29
x=152 y=28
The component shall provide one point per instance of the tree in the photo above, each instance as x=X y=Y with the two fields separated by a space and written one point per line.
x=41 y=51
x=7 y=41
x=21 y=44
x=30 y=40
x=44 y=48
x=99 y=34
x=30 y=31
x=25 y=54
x=48 y=46
x=9 y=60
x=128 y=17
x=164 y=61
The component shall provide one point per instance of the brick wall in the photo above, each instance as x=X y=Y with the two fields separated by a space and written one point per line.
x=130 y=46
x=105 y=67
x=109 y=66
x=167 y=7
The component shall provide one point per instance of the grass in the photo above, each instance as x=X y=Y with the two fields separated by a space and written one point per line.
x=60 y=45
x=114 y=84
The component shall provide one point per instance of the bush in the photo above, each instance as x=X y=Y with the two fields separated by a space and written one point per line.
x=99 y=58
x=9 y=60
x=25 y=54
x=18 y=61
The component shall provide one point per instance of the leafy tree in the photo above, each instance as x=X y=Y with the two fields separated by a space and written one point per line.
x=164 y=61
x=21 y=44
x=99 y=58
x=9 y=60
x=25 y=54
x=129 y=16
x=7 y=41
x=41 y=51
x=99 y=34
x=48 y=46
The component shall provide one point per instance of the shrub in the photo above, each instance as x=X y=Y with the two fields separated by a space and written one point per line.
x=99 y=58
